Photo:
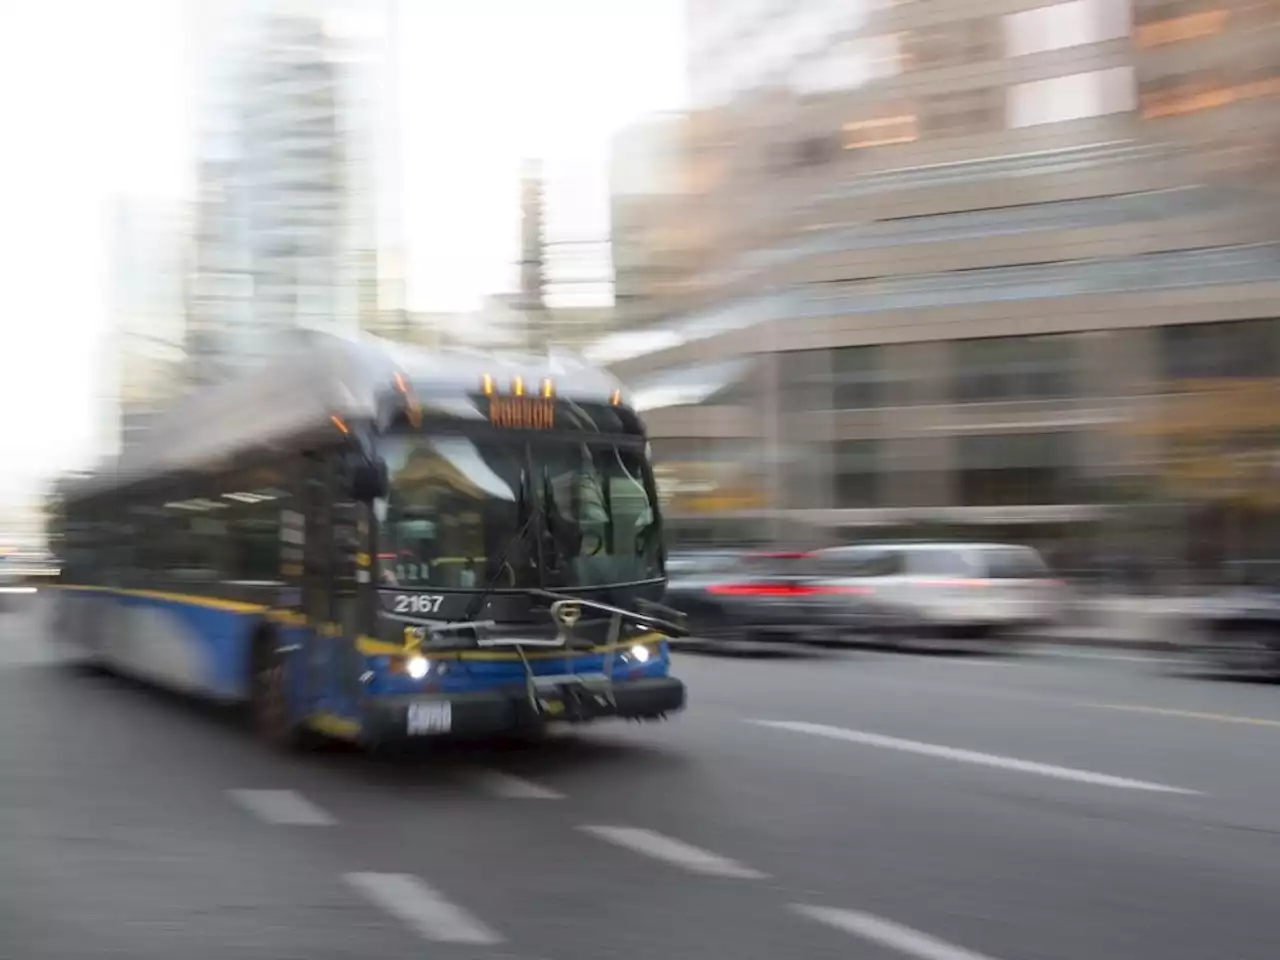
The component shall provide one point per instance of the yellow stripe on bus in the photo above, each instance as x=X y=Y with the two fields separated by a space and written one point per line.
x=213 y=603
x=369 y=646
x=332 y=725
x=372 y=647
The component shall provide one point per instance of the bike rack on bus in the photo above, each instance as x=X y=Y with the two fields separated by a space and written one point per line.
x=440 y=636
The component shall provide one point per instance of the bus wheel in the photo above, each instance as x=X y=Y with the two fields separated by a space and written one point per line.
x=269 y=701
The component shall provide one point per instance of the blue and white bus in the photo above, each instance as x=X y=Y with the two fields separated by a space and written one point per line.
x=370 y=542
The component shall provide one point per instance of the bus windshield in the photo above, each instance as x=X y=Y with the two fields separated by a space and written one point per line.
x=564 y=513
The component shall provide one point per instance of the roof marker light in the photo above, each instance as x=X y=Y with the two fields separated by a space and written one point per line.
x=488 y=385
x=337 y=422
x=615 y=398
x=518 y=387
x=548 y=388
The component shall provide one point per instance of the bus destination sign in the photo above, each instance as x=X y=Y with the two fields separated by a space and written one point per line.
x=522 y=413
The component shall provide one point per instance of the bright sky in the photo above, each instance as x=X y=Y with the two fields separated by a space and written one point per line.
x=96 y=102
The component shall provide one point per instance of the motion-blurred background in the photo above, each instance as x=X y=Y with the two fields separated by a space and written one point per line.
x=999 y=269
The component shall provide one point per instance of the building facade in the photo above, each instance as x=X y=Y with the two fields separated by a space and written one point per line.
x=649 y=199
x=1209 y=76
x=954 y=261
x=144 y=350
x=292 y=179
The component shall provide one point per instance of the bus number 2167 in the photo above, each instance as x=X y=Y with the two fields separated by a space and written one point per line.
x=418 y=603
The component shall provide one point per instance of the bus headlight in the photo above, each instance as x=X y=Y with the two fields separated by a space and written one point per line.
x=417 y=667
x=640 y=653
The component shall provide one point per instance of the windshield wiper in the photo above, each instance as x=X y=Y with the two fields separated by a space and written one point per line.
x=487 y=589
x=558 y=529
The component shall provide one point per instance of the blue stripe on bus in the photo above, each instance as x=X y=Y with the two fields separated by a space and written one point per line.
x=192 y=642
x=203 y=643
x=464 y=676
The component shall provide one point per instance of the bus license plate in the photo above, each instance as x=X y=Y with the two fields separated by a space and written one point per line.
x=428 y=718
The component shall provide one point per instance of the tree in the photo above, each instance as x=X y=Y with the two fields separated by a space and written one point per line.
x=1220 y=442
x=1220 y=457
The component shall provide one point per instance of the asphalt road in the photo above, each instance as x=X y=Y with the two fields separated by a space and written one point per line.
x=1055 y=807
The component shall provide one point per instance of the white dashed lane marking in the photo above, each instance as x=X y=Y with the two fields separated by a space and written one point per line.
x=509 y=787
x=886 y=933
x=421 y=908
x=675 y=852
x=282 y=807
x=970 y=756
x=1151 y=658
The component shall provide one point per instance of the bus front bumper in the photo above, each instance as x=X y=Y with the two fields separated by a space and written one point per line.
x=497 y=712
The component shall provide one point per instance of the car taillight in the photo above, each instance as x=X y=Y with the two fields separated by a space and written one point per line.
x=756 y=590
x=779 y=590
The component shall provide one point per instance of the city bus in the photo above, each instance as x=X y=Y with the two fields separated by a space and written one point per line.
x=371 y=542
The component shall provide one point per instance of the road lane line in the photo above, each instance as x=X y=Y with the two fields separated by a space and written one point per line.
x=1121 y=657
x=510 y=787
x=1190 y=714
x=282 y=807
x=422 y=909
x=971 y=756
x=887 y=933
x=676 y=852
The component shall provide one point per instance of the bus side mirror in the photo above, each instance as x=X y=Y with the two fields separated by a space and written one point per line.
x=369 y=481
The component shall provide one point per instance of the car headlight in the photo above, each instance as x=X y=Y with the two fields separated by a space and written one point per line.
x=640 y=653
x=417 y=667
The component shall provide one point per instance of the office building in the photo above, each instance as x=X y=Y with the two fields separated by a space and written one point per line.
x=292 y=179
x=953 y=263
x=1209 y=76
x=652 y=215
x=144 y=351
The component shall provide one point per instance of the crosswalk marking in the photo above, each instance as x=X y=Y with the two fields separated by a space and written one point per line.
x=675 y=852
x=282 y=807
x=886 y=933
x=509 y=787
x=421 y=908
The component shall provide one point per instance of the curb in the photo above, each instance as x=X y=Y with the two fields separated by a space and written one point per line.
x=1104 y=641
x=1113 y=643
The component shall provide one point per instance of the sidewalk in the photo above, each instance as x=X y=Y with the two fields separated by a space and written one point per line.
x=1150 y=623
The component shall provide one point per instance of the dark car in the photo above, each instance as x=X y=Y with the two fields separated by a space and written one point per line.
x=1239 y=625
x=735 y=598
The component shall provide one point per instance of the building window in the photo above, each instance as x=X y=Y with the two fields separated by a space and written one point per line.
x=1060 y=25
x=1076 y=96
x=961 y=114
x=1255 y=82
x=881 y=131
x=857 y=378
x=1215 y=351
x=1255 y=13
x=1163 y=11
x=814 y=151
x=804 y=381
x=1191 y=92
x=1013 y=368
x=1015 y=469
x=856 y=474
x=951 y=44
x=1157 y=33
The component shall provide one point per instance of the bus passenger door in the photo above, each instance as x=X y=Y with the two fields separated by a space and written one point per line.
x=350 y=541
x=317 y=594
x=331 y=592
